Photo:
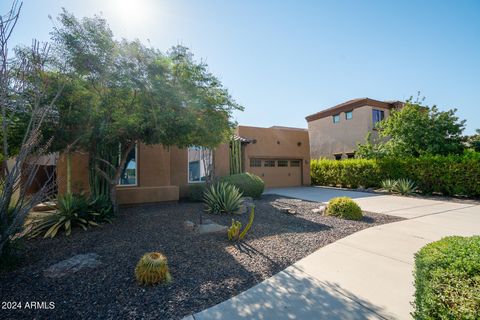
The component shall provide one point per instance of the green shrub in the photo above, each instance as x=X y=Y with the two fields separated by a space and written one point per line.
x=249 y=184
x=448 y=175
x=447 y=279
x=389 y=185
x=222 y=198
x=345 y=208
x=72 y=211
x=404 y=186
x=196 y=191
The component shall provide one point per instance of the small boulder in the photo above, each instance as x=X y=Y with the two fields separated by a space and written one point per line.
x=319 y=210
x=72 y=265
x=206 y=228
x=189 y=225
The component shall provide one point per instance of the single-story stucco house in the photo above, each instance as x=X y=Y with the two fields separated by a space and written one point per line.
x=279 y=155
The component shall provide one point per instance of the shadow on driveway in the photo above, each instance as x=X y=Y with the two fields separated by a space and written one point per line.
x=292 y=294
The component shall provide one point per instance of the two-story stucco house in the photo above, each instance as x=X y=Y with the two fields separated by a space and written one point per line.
x=335 y=132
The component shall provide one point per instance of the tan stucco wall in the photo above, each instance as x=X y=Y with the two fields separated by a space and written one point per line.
x=328 y=138
x=279 y=143
x=80 y=173
x=153 y=176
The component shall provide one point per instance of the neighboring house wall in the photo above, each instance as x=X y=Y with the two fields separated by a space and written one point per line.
x=329 y=139
x=274 y=144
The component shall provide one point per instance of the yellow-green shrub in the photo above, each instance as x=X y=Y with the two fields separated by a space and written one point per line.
x=345 y=208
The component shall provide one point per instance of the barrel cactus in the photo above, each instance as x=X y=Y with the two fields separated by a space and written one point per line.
x=152 y=269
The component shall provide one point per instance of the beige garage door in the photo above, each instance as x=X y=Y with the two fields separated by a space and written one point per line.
x=277 y=172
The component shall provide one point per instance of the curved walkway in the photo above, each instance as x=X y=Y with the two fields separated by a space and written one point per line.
x=367 y=275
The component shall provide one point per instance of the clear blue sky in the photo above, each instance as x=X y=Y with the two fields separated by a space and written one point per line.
x=283 y=60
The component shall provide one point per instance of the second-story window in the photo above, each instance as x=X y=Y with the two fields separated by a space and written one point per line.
x=336 y=118
x=378 y=115
x=349 y=115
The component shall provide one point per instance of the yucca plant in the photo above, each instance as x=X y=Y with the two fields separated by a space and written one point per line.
x=222 y=198
x=73 y=210
x=152 y=269
x=389 y=185
x=405 y=186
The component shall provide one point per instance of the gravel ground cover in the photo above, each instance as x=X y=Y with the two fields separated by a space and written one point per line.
x=206 y=269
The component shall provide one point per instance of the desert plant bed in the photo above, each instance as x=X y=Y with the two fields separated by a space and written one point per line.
x=206 y=269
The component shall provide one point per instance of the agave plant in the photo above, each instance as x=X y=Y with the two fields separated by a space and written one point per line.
x=405 y=186
x=73 y=210
x=389 y=185
x=222 y=198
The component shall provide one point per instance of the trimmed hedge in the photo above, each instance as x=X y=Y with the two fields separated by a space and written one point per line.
x=447 y=279
x=345 y=208
x=249 y=184
x=448 y=175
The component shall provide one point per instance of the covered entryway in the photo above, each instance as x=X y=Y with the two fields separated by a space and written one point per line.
x=277 y=172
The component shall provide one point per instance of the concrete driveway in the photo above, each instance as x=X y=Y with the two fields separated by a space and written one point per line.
x=405 y=207
x=367 y=275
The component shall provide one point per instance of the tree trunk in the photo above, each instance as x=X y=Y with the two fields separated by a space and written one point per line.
x=116 y=179
x=69 y=171
x=113 y=198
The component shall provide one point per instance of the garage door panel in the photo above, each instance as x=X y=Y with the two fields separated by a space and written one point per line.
x=278 y=176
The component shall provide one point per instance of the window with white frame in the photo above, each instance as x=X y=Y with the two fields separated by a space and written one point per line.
x=200 y=162
x=128 y=176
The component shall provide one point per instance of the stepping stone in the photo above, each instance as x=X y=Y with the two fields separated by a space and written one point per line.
x=72 y=265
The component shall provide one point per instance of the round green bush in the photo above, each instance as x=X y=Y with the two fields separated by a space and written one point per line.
x=249 y=184
x=447 y=279
x=345 y=208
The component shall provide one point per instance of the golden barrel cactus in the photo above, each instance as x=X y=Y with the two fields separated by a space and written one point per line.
x=152 y=269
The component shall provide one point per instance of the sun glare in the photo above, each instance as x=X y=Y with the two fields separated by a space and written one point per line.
x=132 y=12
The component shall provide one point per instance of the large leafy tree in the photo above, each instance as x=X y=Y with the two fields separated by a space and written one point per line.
x=415 y=130
x=142 y=95
x=473 y=141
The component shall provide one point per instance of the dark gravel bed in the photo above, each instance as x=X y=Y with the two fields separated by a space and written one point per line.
x=207 y=269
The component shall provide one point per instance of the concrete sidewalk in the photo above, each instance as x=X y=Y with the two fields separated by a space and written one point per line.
x=367 y=275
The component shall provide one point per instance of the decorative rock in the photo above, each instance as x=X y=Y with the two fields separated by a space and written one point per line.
x=72 y=265
x=211 y=228
x=319 y=210
x=189 y=224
